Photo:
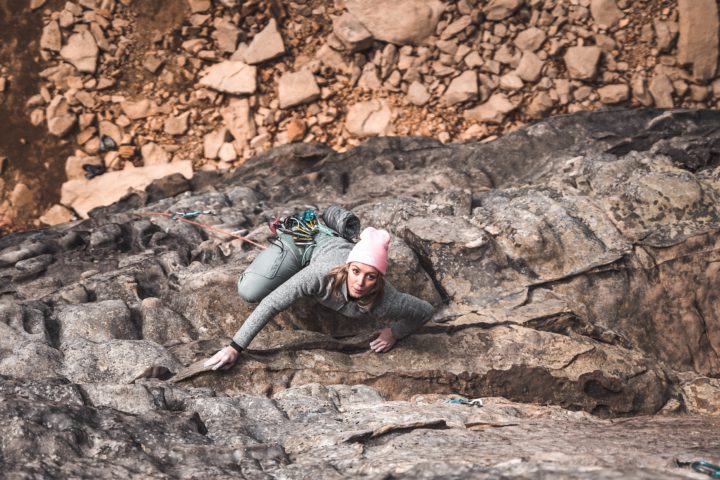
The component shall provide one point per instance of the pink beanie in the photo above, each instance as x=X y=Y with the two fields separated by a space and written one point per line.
x=372 y=249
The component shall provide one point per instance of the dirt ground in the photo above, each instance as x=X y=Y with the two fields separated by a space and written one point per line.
x=34 y=157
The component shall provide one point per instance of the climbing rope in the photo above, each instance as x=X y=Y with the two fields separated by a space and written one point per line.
x=187 y=216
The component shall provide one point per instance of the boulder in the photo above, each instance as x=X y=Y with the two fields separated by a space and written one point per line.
x=605 y=13
x=698 y=39
x=238 y=121
x=365 y=119
x=60 y=119
x=530 y=67
x=530 y=39
x=418 y=94
x=348 y=29
x=154 y=154
x=616 y=93
x=402 y=22
x=297 y=88
x=266 y=45
x=581 y=62
x=661 y=89
x=492 y=111
x=462 y=88
x=177 y=124
x=51 y=38
x=231 y=76
x=81 y=51
x=137 y=109
x=501 y=9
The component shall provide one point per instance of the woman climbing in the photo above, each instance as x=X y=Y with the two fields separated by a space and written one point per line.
x=347 y=278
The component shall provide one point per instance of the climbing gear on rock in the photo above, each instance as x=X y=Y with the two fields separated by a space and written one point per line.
x=475 y=402
x=209 y=228
x=93 y=170
x=107 y=143
x=302 y=227
x=193 y=214
x=706 y=467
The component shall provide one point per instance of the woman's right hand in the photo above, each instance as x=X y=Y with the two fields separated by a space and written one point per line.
x=223 y=359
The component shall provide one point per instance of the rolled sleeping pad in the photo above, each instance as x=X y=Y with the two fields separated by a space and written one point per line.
x=343 y=221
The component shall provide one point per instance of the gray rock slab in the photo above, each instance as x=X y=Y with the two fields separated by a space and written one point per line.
x=530 y=39
x=96 y=322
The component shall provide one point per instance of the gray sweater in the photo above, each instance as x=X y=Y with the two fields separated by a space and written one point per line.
x=405 y=313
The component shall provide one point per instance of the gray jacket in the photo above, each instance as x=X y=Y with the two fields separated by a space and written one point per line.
x=405 y=313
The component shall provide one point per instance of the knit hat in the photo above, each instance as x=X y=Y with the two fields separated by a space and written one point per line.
x=372 y=249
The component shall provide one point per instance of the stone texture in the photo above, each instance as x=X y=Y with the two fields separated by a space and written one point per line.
x=581 y=62
x=365 y=119
x=60 y=120
x=56 y=215
x=214 y=140
x=233 y=77
x=462 y=88
x=81 y=51
x=530 y=39
x=501 y=9
x=137 y=109
x=611 y=94
x=97 y=322
x=266 y=45
x=418 y=94
x=401 y=22
x=226 y=36
x=154 y=154
x=351 y=32
x=177 y=124
x=661 y=89
x=698 y=40
x=492 y=111
x=530 y=67
x=238 y=121
x=51 y=38
x=605 y=12
x=297 y=88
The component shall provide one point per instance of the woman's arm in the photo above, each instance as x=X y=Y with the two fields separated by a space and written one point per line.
x=304 y=283
x=406 y=312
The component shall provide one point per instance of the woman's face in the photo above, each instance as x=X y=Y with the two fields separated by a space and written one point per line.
x=361 y=279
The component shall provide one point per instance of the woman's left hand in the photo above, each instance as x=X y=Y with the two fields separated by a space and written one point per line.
x=384 y=341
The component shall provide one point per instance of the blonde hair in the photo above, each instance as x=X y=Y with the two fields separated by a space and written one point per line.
x=337 y=277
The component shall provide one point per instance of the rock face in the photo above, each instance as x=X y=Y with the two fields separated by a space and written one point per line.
x=572 y=264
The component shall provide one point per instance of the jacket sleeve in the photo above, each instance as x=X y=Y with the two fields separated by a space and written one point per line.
x=406 y=312
x=306 y=282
